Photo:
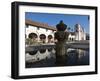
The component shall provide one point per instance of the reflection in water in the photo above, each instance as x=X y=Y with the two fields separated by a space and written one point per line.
x=50 y=49
x=33 y=52
x=47 y=58
x=42 y=51
x=78 y=57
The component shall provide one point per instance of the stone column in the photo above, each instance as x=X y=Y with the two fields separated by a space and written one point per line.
x=61 y=35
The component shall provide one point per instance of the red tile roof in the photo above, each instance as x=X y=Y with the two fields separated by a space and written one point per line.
x=38 y=24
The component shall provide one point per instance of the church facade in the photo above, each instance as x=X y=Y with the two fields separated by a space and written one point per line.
x=42 y=32
x=77 y=34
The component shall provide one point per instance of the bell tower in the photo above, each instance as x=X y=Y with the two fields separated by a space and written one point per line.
x=78 y=32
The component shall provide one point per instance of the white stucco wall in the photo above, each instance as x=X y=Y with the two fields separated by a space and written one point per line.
x=34 y=29
x=80 y=35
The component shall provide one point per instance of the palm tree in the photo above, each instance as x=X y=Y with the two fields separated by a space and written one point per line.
x=68 y=28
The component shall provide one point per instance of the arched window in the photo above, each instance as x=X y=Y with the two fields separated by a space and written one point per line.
x=32 y=36
x=43 y=37
x=72 y=39
x=25 y=36
x=50 y=37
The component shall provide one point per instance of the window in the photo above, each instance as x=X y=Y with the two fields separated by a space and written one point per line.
x=46 y=30
x=38 y=28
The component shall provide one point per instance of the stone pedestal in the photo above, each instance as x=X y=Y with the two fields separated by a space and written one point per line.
x=61 y=37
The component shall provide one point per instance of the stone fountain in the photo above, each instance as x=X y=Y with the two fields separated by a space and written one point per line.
x=61 y=36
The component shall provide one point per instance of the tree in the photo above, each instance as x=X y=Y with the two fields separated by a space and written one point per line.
x=69 y=28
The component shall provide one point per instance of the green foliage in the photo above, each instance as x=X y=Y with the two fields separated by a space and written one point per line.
x=30 y=41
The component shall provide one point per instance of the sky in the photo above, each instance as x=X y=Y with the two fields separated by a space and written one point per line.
x=53 y=19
